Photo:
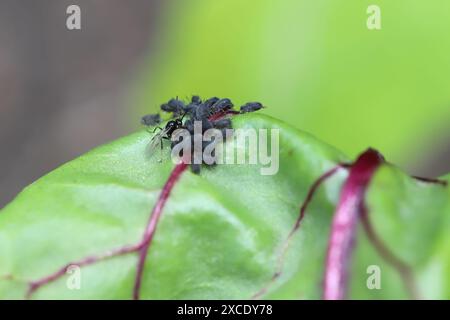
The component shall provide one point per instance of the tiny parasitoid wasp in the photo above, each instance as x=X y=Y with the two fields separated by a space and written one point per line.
x=165 y=133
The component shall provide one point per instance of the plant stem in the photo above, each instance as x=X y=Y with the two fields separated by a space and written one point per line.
x=281 y=258
x=343 y=228
x=152 y=224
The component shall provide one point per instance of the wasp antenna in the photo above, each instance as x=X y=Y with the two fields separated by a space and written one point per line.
x=182 y=117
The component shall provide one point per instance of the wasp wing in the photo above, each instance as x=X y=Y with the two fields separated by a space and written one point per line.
x=156 y=140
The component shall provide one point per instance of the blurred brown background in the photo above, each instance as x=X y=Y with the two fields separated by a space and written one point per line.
x=63 y=92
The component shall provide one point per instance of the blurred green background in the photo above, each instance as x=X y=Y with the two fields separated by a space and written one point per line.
x=315 y=64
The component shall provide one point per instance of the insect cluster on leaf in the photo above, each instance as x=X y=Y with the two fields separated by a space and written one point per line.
x=212 y=113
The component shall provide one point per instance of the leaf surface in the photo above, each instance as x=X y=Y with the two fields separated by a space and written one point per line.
x=221 y=231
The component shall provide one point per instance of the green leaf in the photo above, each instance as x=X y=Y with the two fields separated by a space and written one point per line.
x=221 y=231
x=413 y=219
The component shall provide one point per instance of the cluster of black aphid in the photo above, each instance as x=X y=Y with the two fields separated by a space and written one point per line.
x=210 y=112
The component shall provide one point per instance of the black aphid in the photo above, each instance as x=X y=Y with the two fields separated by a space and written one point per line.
x=211 y=107
x=174 y=106
x=195 y=168
x=222 y=105
x=192 y=106
x=151 y=119
x=251 y=107
x=222 y=123
x=196 y=99
x=210 y=102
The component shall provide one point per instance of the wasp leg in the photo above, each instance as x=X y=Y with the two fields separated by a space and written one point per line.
x=161 y=147
x=161 y=144
x=150 y=131
x=161 y=150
